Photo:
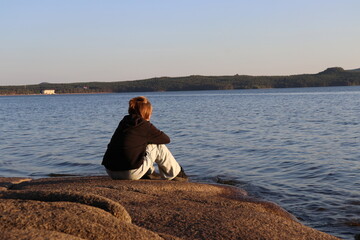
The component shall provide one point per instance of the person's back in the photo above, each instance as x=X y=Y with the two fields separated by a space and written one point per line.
x=136 y=144
x=127 y=147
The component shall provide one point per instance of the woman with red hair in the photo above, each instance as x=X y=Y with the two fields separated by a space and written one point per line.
x=137 y=144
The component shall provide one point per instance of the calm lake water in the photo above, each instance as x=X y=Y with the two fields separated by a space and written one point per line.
x=299 y=148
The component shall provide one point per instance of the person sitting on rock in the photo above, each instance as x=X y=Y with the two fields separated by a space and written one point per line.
x=136 y=144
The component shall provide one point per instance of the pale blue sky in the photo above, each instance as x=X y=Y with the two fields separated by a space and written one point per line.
x=118 y=40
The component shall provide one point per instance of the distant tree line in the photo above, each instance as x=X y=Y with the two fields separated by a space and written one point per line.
x=330 y=77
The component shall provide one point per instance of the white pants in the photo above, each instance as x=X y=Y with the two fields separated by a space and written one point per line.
x=169 y=168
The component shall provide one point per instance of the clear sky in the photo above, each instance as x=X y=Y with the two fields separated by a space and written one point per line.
x=61 y=41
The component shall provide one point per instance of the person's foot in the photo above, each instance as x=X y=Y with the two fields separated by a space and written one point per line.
x=152 y=176
x=181 y=176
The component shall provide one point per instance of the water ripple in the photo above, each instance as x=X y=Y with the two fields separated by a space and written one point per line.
x=296 y=147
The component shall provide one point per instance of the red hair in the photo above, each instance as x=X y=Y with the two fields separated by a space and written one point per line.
x=140 y=106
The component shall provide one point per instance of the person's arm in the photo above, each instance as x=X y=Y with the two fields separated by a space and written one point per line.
x=156 y=136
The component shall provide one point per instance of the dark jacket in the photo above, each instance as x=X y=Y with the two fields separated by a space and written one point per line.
x=127 y=146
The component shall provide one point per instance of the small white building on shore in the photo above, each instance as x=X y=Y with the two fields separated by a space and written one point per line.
x=48 y=91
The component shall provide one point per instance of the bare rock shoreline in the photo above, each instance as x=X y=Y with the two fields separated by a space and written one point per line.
x=101 y=208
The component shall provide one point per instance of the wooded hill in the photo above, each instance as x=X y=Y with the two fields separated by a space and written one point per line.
x=330 y=77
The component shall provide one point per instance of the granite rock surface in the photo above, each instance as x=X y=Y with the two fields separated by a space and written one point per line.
x=101 y=208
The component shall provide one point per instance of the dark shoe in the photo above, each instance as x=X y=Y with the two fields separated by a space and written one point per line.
x=152 y=176
x=182 y=177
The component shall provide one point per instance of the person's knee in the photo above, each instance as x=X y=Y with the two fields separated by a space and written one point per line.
x=151 y=147
x=162 y=148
